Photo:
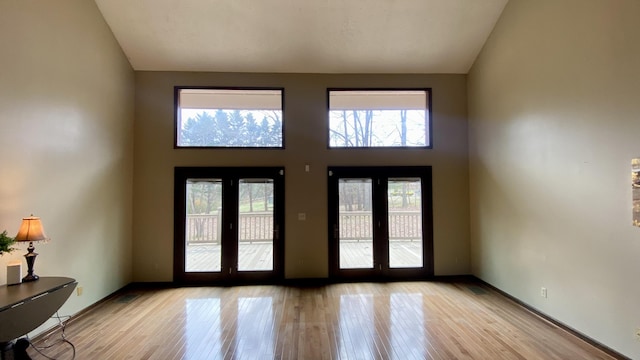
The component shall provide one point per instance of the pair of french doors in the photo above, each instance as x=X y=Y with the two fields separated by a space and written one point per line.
x=228 y=224
x=380 y=222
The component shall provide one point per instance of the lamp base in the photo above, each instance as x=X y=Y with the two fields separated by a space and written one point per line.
x=30 y=277
x=30 y=256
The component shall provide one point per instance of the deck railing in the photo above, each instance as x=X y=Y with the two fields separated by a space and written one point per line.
x=258 y=226
x=357 y=225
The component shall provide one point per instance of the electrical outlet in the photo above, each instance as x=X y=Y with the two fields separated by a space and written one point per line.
x=79 y=290
x=543 y=292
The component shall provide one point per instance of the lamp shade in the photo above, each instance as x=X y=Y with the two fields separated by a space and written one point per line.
x=31 y=230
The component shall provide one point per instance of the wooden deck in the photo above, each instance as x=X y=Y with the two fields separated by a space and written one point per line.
x=259 y=255
x=251 y=256
x=402 y=254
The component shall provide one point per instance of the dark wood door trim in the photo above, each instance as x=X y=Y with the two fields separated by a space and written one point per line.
x=381 y=270
x=230 y=177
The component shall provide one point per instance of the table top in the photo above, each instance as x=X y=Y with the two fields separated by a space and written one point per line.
x=11 y=295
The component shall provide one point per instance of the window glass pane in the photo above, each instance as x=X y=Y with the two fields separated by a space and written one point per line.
x=255 y=229
x=202 y=225
x=229 y=118
x=355 y=223
x=404 y=200
x=379 y=118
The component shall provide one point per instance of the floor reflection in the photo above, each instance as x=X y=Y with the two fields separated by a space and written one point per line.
x=356 y=327
x=203 y=332
x=255 y=331
x=390 y=326
x=407 y=326
x=218 y=330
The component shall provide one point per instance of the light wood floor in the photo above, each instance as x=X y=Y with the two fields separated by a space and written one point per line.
x=401 y=320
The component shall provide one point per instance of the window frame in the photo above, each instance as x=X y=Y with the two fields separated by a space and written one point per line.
x=429 y=113
x=177 y=119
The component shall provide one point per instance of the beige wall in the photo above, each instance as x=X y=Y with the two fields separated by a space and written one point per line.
x=305 y=114
x=66 y=121
x=553 y=118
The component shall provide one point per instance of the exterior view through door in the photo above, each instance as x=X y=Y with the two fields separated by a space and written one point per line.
x=380 y=222
x=228 y=224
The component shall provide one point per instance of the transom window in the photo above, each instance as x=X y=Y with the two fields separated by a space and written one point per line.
x=379 y=118
x=241 y=118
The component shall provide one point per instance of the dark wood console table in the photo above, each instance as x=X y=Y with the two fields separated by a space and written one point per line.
x=25 y=306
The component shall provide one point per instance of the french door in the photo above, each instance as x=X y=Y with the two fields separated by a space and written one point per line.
x=380 y=222
x=228 y=224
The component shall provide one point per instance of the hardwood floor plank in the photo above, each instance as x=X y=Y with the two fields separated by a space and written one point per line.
x=399 y=320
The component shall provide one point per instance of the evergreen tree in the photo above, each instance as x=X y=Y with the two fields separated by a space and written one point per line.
x=235 y=128
x=236 y=135
x=222 y=126
x=199 y=130
x=253 y=135
x=275 y=133
x=265 y=131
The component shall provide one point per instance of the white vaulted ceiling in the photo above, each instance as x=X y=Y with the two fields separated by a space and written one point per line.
x=302 y=36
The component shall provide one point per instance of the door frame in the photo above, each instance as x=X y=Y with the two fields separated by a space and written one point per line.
x=229 y=216
x=381 y=270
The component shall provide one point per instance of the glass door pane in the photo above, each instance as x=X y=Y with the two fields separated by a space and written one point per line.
x=404 y=201
x=203 y=247
x=255 y=225
x=355 y=223
x=380 y=222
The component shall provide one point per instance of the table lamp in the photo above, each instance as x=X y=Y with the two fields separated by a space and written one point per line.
x=31 y=230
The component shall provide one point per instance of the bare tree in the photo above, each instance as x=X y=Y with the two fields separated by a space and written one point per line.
x=403 y=129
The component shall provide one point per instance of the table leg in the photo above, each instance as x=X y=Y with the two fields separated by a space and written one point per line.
x=6 y=350
x=20 y=349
